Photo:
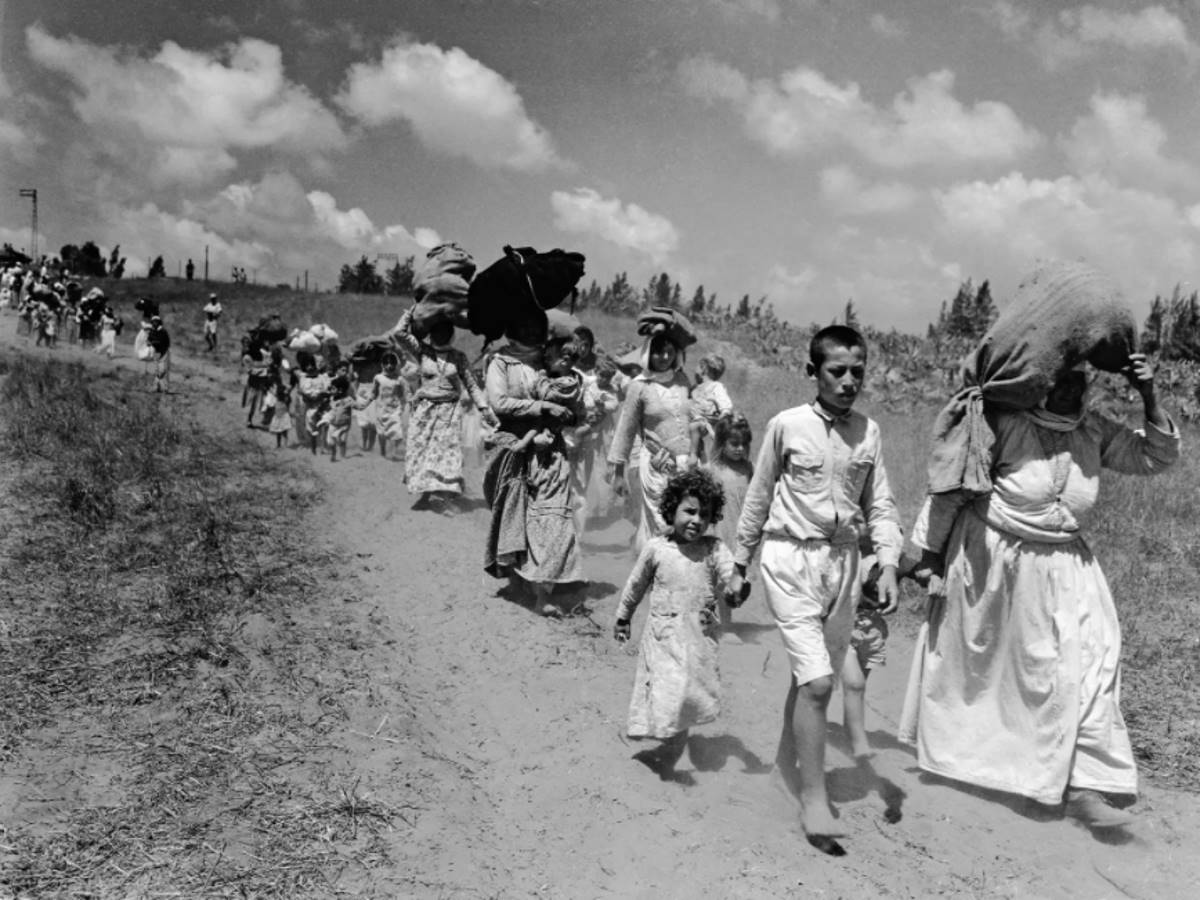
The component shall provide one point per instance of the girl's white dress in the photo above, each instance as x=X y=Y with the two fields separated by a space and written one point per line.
x=677 y=684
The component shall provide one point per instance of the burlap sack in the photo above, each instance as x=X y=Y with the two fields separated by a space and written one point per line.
x=1064 y=313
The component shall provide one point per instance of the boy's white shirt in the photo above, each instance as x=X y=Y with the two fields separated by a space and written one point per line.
x=820 y=477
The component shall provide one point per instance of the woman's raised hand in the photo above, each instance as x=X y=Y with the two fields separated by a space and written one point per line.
x=1139 y=373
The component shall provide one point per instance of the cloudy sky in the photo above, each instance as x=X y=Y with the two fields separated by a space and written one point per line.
x=812 y=151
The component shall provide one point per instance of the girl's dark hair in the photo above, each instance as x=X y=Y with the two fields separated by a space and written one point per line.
x=729 y=426
x=696 y=483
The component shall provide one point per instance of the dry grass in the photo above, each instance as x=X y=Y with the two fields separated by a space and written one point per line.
x=167 y=705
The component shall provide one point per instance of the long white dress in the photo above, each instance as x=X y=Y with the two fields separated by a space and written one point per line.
x=1016 y=678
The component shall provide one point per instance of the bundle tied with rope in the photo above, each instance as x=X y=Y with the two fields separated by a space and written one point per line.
x=1064 y=314
x=521 y=286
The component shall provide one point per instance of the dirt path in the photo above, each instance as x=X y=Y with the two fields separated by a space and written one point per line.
x=499 y=735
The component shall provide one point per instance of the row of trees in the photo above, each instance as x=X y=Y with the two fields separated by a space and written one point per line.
x=622 y=297
x=363 y=278
x=87 y=260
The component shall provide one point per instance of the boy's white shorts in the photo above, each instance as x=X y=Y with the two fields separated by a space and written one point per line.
x=812 y=590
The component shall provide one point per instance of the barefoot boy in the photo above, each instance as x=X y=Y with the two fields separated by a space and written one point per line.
x=818 y=485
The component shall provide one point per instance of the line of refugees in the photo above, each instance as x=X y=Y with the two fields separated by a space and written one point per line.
x=1015 y=682
x=45 y=309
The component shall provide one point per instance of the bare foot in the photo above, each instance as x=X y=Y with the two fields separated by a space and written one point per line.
x=817 y=821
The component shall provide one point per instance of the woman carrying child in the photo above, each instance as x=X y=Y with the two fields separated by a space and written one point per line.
x=312 y=386
x=551 y=552
x=658 y=409
x=433 y=460
x=685 y=571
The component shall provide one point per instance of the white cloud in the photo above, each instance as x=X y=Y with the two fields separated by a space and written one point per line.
x=1144 y=239
x=803 y=112
x=181 y=114
x=1082 y=32
x=273 y=226
x=887 y=27
x=1121 y=140
x=787 y=289
x=454 y=103
x=848 y=194
x=584 y=211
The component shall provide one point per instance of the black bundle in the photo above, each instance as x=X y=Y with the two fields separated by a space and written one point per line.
x=521 y=285
x=269 y=330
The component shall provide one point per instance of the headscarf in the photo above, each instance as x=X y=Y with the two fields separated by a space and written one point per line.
x=668 y=376
x=1064 y=313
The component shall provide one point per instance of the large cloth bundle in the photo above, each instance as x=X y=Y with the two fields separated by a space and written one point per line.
x=314 y=339
x=269 y=330
x=1064 y=314
x=521 y=285
x=371 y=349
x=668 y=321
x=441 y=286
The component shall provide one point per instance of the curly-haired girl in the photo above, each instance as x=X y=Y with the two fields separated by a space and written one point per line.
x=677 y=684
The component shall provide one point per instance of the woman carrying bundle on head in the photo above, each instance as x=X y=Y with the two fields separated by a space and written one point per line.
x=658 y=409
x=433 y=460
x=1016 y=679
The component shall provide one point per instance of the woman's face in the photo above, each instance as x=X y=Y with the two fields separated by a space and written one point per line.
x=1066 y=396
x=662 y=355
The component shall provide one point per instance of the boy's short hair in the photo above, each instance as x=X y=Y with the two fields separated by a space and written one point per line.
x=586 y=334
x=698 y=483
x=833 y=336
x=714 y=364
x=390 y=359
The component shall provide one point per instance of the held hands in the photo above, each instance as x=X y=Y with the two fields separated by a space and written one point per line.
x=621 y=631
x=739 y=588
x=889 y=591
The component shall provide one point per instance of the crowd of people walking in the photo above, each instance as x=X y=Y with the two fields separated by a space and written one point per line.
x=1015 y=682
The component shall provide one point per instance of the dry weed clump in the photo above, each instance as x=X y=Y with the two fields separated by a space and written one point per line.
x=168 y=752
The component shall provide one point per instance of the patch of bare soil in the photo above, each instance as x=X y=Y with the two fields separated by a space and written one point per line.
x=499 y=738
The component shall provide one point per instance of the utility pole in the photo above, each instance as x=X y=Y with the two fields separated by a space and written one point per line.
x=206 y=263
x=306 y=281
x=31 y=193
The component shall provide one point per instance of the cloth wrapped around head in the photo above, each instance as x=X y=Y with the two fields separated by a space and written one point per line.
x=1064 y=313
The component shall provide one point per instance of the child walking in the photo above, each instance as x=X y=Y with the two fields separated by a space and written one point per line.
x=336 y=421
x=390 y=394
x=733 y=470
x=281 y=418
x=868 y=650
x=677 y=684
x=818 y=487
